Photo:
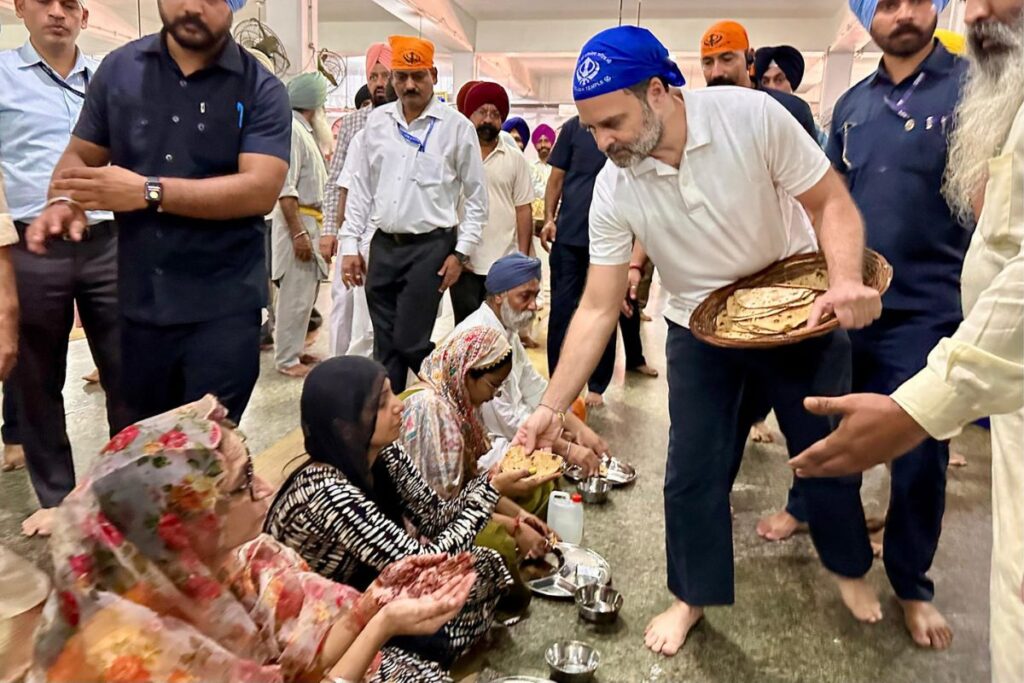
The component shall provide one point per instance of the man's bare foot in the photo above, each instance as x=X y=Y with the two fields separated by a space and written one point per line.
x=667 y=632
x=860 y=598
x=14 y=457
x=528 y=341
x=926 y=624
x=40 y=522
x=310 y=359
x=957 y=459
x=779 y=527
x=298 y=371
x=645 y=370
x=760 y=433
x=93 y=377
x=593 y=400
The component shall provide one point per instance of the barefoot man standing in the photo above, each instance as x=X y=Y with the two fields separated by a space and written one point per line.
x=667 y=189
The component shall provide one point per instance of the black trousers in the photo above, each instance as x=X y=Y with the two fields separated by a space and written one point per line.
x=569 y=266
x=166 y=366
x=709 y=427
x=402 y=293
x=631 y=342
x=9 y=432
x=885 y=355
x=467 y=294
x=49 y=287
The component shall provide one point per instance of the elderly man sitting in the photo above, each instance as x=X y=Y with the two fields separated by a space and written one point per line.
x=512 y=285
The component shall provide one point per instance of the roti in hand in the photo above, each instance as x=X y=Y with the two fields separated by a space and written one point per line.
x=539 y=463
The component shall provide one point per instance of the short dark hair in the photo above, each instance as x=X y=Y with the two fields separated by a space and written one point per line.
x=640 y=89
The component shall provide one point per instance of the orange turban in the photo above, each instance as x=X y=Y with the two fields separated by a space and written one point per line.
x=410 y=53
x=725 y=36
x=379 y=53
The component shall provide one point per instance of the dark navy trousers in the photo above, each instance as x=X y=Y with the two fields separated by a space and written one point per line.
x=885 y=355
x=710 y=420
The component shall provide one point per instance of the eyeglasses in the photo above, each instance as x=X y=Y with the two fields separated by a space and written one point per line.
x=495 y=389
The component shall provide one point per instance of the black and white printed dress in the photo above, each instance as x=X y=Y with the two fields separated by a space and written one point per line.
x=344 y=536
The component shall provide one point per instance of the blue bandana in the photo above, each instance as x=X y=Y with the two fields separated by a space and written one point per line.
x=619 y=58
x=510 y=271
x=235 y=5
x=865 y=10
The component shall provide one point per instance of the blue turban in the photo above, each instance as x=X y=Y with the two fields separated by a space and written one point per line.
x=619 y=58
x=517 y=124
x=865 y=10
x=510 y=271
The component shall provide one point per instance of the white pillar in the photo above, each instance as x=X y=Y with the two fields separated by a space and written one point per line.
x=835 y=81
x=295 y=23
x=463 y=69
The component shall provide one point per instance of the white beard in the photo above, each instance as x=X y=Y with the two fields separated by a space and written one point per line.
x=322 y=132
x=993 y=95
x=516 y=321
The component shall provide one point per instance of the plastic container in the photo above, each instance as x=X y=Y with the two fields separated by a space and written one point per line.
x=565 y=516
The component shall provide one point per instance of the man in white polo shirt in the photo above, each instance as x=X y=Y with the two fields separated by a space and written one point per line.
x=672 y=188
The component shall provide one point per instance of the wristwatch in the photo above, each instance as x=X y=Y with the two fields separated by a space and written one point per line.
x=463 y=259
x=154 y=192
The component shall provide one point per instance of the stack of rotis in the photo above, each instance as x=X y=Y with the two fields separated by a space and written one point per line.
x=771 y=310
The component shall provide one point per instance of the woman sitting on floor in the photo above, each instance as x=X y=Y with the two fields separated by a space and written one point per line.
x=445 y=437
x=345 y=511
x=162 y=575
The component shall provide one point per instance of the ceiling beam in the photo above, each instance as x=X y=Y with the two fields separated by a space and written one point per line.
x=441 y=21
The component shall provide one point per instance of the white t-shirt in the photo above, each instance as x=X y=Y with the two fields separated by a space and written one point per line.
x=509 y=185
x=726 y=212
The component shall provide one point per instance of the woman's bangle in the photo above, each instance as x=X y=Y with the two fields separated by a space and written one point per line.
x=568 y=449
x=636 y=266
x=516 y=526
x=301 y=235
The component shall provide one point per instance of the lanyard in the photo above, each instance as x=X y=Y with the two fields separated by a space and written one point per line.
x=62 y=83
x=898 y=107
x=412 y=139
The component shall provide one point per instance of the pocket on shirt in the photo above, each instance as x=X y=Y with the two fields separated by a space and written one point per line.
x=1005 y=173
x=429 y=170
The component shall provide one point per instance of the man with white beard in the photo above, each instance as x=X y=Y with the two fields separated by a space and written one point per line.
x=297 y=221
x=513 y=284
x=979 y=370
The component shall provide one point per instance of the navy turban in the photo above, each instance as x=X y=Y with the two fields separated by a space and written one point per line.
x=621 y=57
x=517 y=124
x=511 y=271
x=786 y=57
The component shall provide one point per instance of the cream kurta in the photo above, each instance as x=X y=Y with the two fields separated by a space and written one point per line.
x=979 y=371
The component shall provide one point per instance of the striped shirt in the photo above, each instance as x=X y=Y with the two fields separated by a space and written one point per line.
x=350 y=125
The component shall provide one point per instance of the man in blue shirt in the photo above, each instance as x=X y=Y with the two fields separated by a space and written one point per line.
x=197 y=137
x=889 y=139
x=42 y=88
x=575 y=162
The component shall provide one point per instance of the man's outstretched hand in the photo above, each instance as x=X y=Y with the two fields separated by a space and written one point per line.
x=540 y=430
x=874 y=429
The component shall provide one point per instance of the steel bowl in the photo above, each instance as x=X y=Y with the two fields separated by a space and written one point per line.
x=598 y=604
x=572 y=661
x=594 y=490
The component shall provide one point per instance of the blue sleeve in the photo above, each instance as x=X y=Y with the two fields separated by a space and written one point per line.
x=806 y=119
x=93 y=124
x=561 y=155
x=834 y=148
x=268 y=129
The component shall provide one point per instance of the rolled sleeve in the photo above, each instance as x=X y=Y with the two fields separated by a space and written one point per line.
x=796 y=161
x=269 y=128
x=611 y=239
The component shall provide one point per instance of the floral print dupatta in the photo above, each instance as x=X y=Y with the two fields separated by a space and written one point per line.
x=148 y=585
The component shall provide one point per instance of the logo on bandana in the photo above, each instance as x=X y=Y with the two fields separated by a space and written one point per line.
x=714 y=40
x=587 y=71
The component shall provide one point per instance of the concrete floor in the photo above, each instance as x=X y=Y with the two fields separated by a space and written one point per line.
x=788 y=624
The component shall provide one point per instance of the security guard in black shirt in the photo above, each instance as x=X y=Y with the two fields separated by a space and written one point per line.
x=197 y=137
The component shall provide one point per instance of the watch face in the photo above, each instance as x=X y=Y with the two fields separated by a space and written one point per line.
x=153 y=195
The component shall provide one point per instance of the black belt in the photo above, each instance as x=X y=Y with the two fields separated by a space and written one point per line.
x=401 y=238
x=95 y=231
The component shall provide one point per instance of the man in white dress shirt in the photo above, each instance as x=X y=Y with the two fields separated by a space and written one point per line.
x=419 y=159
x=665 y=190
